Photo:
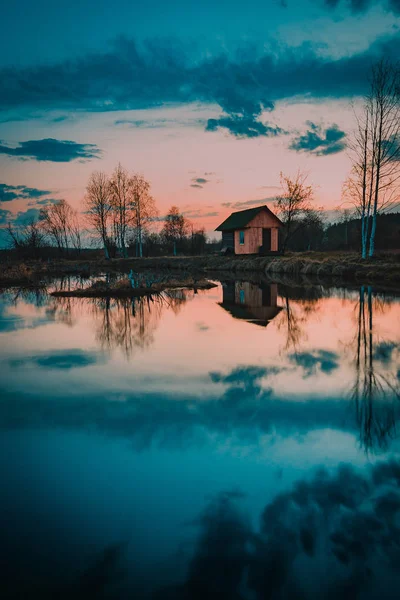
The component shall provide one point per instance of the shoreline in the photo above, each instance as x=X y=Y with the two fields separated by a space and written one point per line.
x=130 y=292
x=318 y=267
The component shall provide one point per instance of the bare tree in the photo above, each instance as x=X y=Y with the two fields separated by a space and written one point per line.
x=53 y=224
x=357 y=188
x=294 y=203
x=60 y=223
x=385 y=107
x=143 y=207
x=75 y=232
x=121 y=204
x=175 y=228
x=99 y=209
x=374 y=182
x=26 y=239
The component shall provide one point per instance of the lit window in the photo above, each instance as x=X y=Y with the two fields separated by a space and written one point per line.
x=241 y=238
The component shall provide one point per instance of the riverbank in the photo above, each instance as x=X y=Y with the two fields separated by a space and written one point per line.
x=346 y=267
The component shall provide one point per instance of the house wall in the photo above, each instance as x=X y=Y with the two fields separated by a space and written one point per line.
x=253 y=237
x=275 y=239
x=264 y=219
x=252 y=241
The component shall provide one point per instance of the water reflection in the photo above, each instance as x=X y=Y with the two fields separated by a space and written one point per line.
x=376 y=389
x=165 y=448
x=125 y=323
x=255 y=303
x=334 y=535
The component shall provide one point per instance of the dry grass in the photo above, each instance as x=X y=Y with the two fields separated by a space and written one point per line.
x=345 y=266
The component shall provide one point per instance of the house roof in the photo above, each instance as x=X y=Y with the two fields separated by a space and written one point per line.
x=241 y=218
x=262 y=316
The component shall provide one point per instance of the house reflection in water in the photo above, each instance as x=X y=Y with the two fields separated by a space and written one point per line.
x=255 y=303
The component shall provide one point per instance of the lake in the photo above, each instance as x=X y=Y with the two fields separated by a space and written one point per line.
x=239 y=442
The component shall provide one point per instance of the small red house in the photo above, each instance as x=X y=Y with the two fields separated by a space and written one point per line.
x=251 y=231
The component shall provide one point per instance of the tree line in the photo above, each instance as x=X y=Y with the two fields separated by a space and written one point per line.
x=118 y=213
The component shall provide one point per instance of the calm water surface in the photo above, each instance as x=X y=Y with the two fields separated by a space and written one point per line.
x=236 y=443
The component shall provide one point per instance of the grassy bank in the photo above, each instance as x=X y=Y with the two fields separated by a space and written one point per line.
x=346 y=267
x=123 y=288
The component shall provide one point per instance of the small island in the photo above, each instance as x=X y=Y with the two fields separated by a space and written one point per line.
x=133 y=287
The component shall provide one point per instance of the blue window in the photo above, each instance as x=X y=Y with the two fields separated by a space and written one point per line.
x=241 y=297
x=241 y=238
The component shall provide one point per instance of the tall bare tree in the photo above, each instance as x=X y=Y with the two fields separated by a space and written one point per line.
x=374 y=182
x=98 y=206
x=121 y=204
x=294 y=204
x=143 y=207
x=75 y=231
x=385 y=108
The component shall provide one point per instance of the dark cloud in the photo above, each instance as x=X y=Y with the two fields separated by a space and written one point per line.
x=247 y=126
x=46 y=202
x=199 y=182
x=60 y=119
x=24 y=217
x=63 y=359
x=361 y=6
x=52 y=150
x=248 y=203
x=5 y=216
x=319 y=141
x=394 y=5
x=199 y=214
x=310 y=362
x=200 y=326
x=391 y=148
x=144 y=124
x=243 y=84
x=12 y=192
x=356 y=6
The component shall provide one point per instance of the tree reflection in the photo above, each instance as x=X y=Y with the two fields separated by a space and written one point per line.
x=125 y=323
x=297 y=308
x=375 y=391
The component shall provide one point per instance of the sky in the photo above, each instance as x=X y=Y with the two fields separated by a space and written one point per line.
x=209 y=102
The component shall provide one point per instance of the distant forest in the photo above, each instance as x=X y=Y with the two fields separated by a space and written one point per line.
x=346 y=235
x=312 y=235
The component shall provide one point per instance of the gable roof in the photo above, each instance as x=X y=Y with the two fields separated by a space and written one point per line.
x=262 y=316
x=241 y=218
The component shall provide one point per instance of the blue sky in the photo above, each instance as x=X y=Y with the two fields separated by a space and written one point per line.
x=229 y=93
